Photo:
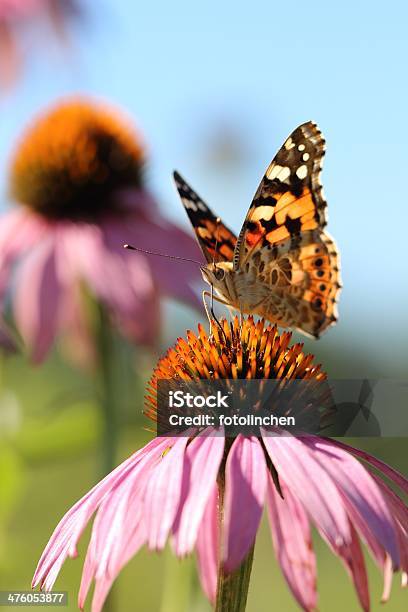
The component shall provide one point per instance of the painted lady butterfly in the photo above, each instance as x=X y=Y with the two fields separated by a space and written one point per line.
x=283 y=266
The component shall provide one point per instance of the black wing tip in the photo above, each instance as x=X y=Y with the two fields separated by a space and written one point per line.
x=311 y=131
x=312 y=128
x=310 y=124
x=179 y=182
x=177 y=177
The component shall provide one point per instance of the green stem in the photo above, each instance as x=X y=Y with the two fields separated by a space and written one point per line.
x=232 y=588
x=108 y=400
x=108 y=392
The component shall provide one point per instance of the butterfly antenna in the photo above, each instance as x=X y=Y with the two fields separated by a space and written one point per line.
x=133 y=248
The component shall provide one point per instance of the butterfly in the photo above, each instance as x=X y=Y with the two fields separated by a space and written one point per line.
x=283 y=266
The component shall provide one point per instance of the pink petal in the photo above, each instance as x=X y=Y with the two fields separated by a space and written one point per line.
x=76 y=330
x=245 y=489
x=311 y=484
x=19 y=232
x=131 y=545
x=202 y=462
x=381 y=558
x=9 y=224
x=400 y=514
x=293 y=544
x=387 y=580
x=118 y=530
x=178 y=280
x=13 y=9
x=377 y=551
x=387 y=470
x=140 y=317
x=163 y=494
x=208 y=546
x=125 y=284
x=357 y=485
x=119 y=515
x=37 y=299
x=137 y=202
x=68 y=531
x=88 y=258
x=353 y=559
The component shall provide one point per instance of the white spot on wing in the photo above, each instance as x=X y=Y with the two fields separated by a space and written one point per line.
x=190 y=204
x=305 y=156
x=301 y=172
x=284 y=174
x=276 y=171
x=262 y=212
x=273 y=171
x=301 y=147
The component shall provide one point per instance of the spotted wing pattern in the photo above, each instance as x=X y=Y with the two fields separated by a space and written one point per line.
x=216 y=240
x=295 y=287
x=282 y=245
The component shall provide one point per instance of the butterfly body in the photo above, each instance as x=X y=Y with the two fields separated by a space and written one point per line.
x=283 y=266
x=239 y=289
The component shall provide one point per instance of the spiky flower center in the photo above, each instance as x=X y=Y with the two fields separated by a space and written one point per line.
x=251 y=350
x=73 y=160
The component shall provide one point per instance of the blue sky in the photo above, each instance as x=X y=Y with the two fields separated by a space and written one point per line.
x=183 y=71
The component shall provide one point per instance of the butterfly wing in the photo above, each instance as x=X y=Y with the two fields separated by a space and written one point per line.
x=215 y=239
x=282 y=239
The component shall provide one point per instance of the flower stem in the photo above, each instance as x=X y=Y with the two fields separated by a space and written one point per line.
x=232 y=589
x=108 y=401
x=108 y=392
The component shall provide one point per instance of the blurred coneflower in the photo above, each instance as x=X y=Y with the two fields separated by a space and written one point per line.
x=208 y=492
x=77 y=180
x=18 y=15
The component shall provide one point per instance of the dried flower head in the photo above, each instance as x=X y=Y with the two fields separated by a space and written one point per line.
x=248 y=351
x=235 y=351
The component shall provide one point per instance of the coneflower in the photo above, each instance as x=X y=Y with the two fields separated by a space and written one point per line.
x=208 y=492
x=77 y=182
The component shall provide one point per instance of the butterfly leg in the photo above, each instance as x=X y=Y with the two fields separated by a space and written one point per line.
x=241 y=315
x=210 y=311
